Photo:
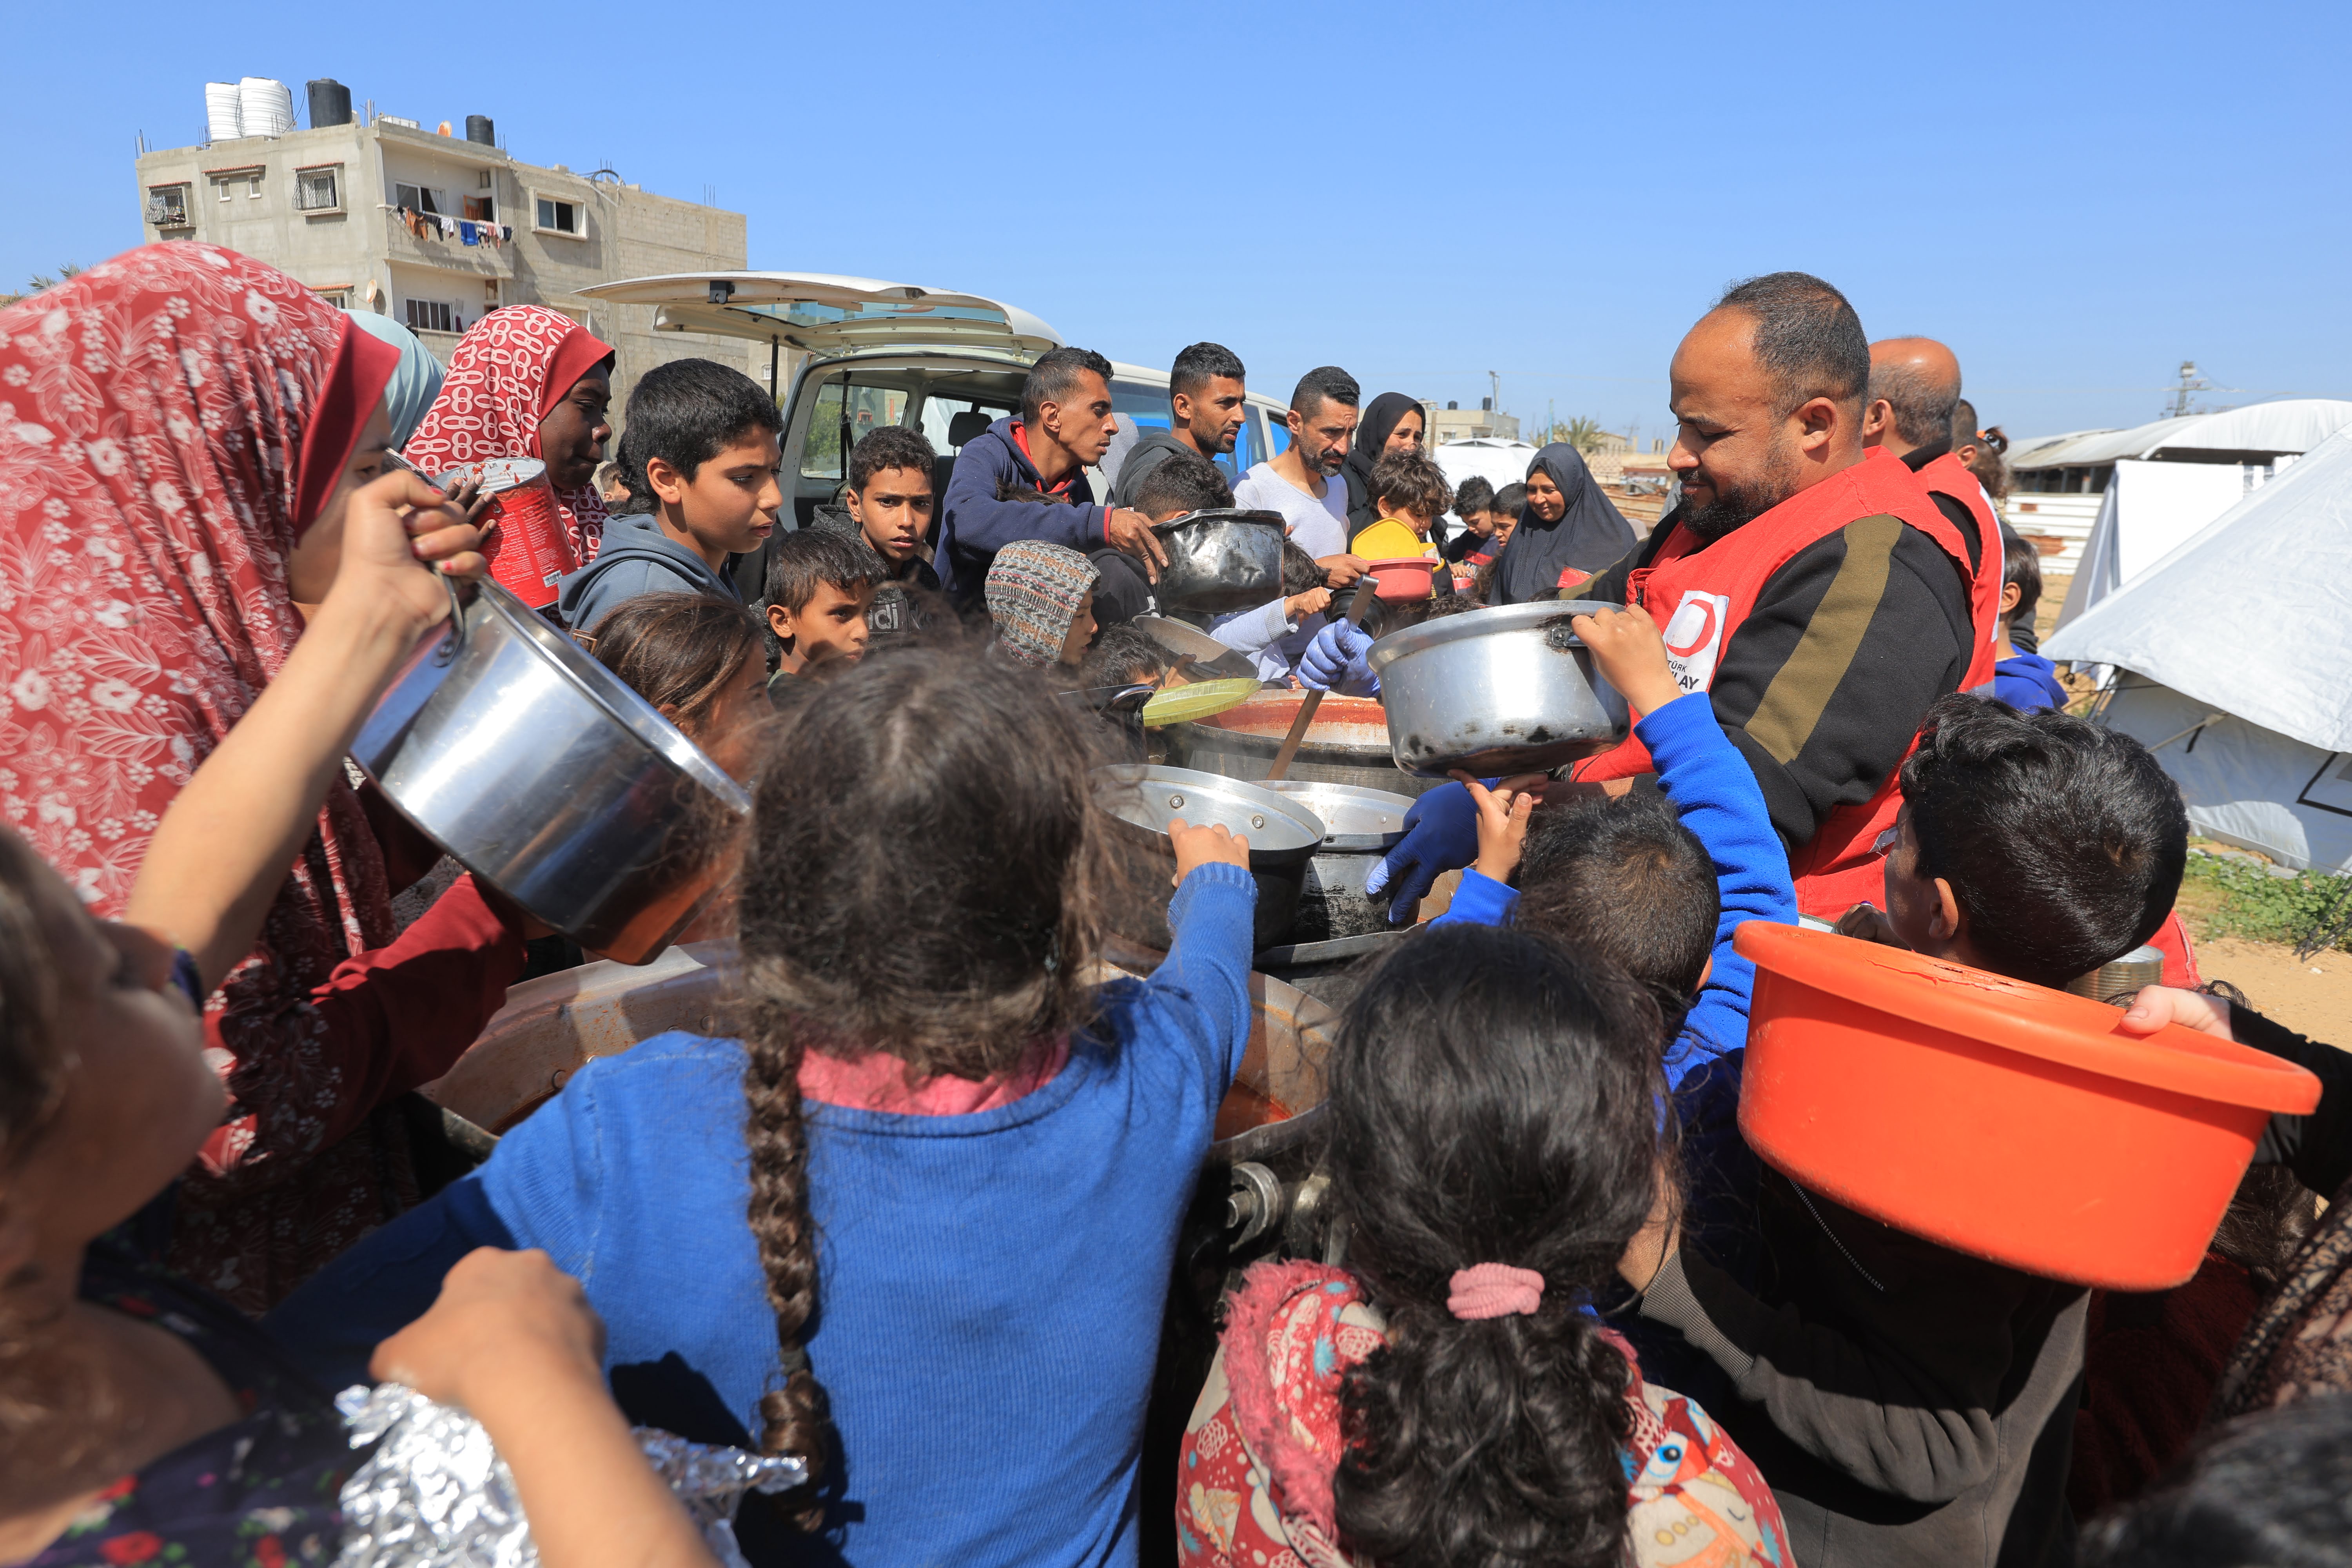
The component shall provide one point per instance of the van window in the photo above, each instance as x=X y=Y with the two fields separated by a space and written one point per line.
x=1277 y=434
x=939 y=413
x=868 y=406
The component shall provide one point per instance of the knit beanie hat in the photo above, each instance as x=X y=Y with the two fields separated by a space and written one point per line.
x=1033 y=592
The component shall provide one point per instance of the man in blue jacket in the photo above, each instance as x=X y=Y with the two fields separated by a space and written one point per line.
x=1064 y=428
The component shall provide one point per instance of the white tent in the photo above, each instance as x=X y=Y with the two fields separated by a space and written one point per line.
x=2149 y=511
x=2233 y=655
x=2288 y=424
x=1499 y=463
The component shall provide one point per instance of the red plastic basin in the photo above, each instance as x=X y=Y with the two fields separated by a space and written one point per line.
x=1402 y=578
x=2002 y=1120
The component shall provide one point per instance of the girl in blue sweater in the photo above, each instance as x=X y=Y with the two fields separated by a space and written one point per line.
x=917 y=1222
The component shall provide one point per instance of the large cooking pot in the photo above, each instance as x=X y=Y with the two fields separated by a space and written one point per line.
x=1219 y=560
x=1347 y=744
x=1360 y=826
x=1141 y=799
x=1503 y=690
x=541 y=773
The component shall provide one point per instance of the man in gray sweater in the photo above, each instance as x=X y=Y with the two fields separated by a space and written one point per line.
x=1206 y=397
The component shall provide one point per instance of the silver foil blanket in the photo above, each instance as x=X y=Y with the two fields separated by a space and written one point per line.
x=435 y=1494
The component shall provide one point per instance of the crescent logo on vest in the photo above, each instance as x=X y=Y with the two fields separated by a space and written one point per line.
x=1693 y=638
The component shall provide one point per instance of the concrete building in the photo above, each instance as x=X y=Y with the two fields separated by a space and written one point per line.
x=1480 y=423
x=355 y=211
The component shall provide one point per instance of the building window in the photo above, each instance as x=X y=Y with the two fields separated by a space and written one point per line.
x=232 y=183
x=318 y=189
x=340 y=299
x=417 y=198
x=481 y=209
x=560 y=217
x=167 y=206
x=433 y=316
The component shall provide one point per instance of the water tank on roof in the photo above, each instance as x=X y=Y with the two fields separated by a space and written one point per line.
x=330 y=102
x=221 y=123
x=480 y=129
x=265 y=106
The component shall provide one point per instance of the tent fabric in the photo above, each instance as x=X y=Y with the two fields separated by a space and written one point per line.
x=2243 y=785
x=2289 y=424
x=2252 y=615
x=2150 y=510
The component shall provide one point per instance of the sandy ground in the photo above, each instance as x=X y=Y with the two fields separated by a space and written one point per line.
x=2313 y=998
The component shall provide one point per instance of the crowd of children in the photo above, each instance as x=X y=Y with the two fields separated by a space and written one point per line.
x=911 y=1210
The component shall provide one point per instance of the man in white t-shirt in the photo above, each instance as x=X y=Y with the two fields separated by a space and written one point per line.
x=1299 y=484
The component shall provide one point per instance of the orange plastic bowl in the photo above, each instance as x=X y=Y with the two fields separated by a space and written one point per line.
x=2000 y=1119
x=1404 y=578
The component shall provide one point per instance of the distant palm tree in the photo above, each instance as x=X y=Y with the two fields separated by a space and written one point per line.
x=41 y=281
x=1583 y=434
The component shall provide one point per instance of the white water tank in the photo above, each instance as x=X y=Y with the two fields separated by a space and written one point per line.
x=265 y=106
x=221 y=121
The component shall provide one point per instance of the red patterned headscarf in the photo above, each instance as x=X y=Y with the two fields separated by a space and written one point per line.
x=505 y=374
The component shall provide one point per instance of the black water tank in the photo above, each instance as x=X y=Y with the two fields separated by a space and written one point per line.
x=330 y=102
x=480 y=129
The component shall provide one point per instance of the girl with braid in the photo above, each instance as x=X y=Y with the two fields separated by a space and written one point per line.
x=916 y=1222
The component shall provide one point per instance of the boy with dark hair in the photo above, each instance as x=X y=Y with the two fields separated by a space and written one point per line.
x=1473 y=499
x=1913 y=1405
x=1207 y=399
x=1410 y=492
x=819 y=587
x=1658 y=883
x=887 y=503
x=701 y=455
x=2020 y=677
x=1064 y=428
x=1181 y=484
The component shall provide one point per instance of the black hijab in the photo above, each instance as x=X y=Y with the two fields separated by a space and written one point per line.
x=1373 y=432
x=1590 y=534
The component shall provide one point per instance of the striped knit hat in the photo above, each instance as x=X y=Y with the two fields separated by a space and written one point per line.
x=1033 y=592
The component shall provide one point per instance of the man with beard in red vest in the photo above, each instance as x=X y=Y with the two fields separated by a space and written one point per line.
x=1915 y=393
x=1806 y=583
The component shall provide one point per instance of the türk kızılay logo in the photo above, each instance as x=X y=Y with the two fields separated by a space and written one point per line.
x=1695 y=637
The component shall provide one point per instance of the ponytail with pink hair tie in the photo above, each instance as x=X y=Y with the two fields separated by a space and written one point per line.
x=1494 y=1290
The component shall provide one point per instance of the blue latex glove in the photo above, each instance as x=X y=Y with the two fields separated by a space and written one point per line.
x=1335 y=661
x=1441 y=835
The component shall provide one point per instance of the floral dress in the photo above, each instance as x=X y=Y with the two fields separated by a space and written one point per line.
x=262 y=1492
x=1254 y=1477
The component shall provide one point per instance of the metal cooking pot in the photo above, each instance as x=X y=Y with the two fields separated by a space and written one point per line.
x=1142 y=799
x=1219 y=560
x=1360 y=826
x=1347 y=744
x=1501 y=690
x=548 y=779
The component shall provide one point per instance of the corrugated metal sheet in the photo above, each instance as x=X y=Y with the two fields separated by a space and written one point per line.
x=2289 y=424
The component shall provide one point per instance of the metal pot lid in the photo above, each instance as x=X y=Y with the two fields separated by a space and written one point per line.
x=1497 y=621
x=1147 y=797
x=1213 y=656
x=1222 y=515
x=1354 y=818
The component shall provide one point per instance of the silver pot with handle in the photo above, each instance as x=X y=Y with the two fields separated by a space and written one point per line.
x=1359 y=827
x=536 y=770
x=1142 y=800
x=1503 y=690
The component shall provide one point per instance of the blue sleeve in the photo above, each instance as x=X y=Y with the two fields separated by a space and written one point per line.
x=1715 y=793
x=1480 y=901
x=1252 y=631
x=977 y=522
x=1199 y=997
x=538 y=1189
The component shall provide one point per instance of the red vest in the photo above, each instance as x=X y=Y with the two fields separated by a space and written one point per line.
x=1948 y=475
x=1699 y=594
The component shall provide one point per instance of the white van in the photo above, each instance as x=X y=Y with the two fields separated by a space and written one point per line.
x=864 y=352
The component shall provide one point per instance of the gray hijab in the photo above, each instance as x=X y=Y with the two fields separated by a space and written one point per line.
x=1590 y=534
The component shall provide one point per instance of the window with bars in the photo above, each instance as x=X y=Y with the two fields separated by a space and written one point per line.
x=167 y=206
x=318 y=189
x=433 y=316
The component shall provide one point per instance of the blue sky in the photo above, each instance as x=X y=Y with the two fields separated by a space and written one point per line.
x=2075 y=198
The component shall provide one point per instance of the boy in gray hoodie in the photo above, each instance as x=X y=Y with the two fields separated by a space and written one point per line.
x=701 y=458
